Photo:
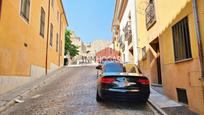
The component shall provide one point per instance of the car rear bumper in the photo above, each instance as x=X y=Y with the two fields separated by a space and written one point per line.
x=124 y=95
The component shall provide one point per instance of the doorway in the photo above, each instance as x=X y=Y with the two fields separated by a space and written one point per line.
x=158 y=65
x=155 y=46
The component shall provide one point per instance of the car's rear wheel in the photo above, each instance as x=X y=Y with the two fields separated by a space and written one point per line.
x=144 y=101
x=98 y=98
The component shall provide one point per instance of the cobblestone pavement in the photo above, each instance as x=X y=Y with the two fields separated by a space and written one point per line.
x=73 y=93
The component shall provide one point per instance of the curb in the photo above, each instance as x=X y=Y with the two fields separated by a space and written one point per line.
x=7 y=105
x=157 y=108
x=48 y=78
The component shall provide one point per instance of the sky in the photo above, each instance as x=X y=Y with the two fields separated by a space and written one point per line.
x=90 y=19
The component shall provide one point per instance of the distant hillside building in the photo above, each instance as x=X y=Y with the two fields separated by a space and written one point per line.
x=94 y=47
x=78 y=42
x=82 y=49
x=107 y=54
x=87 y=51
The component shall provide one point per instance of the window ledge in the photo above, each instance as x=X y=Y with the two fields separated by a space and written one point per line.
x=201 y=79
x=184 y=60
x=24 y=18
x=148 y=28
x=42 y=35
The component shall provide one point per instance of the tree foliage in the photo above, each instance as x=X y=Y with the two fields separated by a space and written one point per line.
x=70 y=48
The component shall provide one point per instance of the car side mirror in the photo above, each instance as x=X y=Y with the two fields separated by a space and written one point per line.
x=99 y=67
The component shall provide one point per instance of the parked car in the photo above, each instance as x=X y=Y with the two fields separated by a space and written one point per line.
x=100 y=66
x=99 y=69
x=114 y=83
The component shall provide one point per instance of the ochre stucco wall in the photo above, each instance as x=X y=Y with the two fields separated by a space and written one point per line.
x=174 y=75
x=15 y=32
x=184 y=74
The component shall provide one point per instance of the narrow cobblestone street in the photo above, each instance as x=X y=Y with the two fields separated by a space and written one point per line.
x=73 y=93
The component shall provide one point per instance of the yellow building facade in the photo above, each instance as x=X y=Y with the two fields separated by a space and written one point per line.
x=168 y=48
x=123 y=28
x=32 y=40
x=116 y=25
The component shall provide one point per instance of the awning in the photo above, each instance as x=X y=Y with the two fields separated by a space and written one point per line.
x=170 y=10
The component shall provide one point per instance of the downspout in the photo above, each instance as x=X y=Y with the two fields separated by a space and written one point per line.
x=47 y=42
x=199 y=42
x=0 y=8
x=135 y=41
x=60 y=32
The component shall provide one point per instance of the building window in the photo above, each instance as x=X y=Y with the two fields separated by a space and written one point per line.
x=51 y=34
x=58 y=16
x=0 y=7
x=150 y=15
x=60 y=50
x=57 y=42
x=181 y=40
x=42 y=22
x=144 y=53
x=25 y=9
x=52 y=3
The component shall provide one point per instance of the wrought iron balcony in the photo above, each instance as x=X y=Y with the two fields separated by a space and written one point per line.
x=128 y=30
x=129 y=40
x=150 y=15
x=121 y=41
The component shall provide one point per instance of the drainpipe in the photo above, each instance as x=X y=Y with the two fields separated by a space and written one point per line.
x=0 y=8
x=60 y=35
x=135 y=28
x=199 y=42
x=60 y=39
x=47 y=42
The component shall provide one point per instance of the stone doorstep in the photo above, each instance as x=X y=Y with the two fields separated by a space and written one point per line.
x=156 y=85
x=7 y=99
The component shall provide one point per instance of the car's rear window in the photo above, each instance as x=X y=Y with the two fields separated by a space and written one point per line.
x=130 y=68
x=113 y=67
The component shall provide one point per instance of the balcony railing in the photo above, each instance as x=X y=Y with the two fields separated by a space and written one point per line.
x=127 y=30
x=129 y=40
x=150 y=15
x=121 y=41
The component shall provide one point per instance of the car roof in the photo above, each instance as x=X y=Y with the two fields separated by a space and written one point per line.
x=112 y=63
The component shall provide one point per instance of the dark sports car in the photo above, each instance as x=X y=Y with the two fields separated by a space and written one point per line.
x=118 y=84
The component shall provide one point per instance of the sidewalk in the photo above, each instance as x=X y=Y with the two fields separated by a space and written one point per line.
x=167 y=106
x=8 y=99
x=82 y=65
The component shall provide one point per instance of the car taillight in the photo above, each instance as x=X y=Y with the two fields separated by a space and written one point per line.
x=143 y=81
x=107 y=80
